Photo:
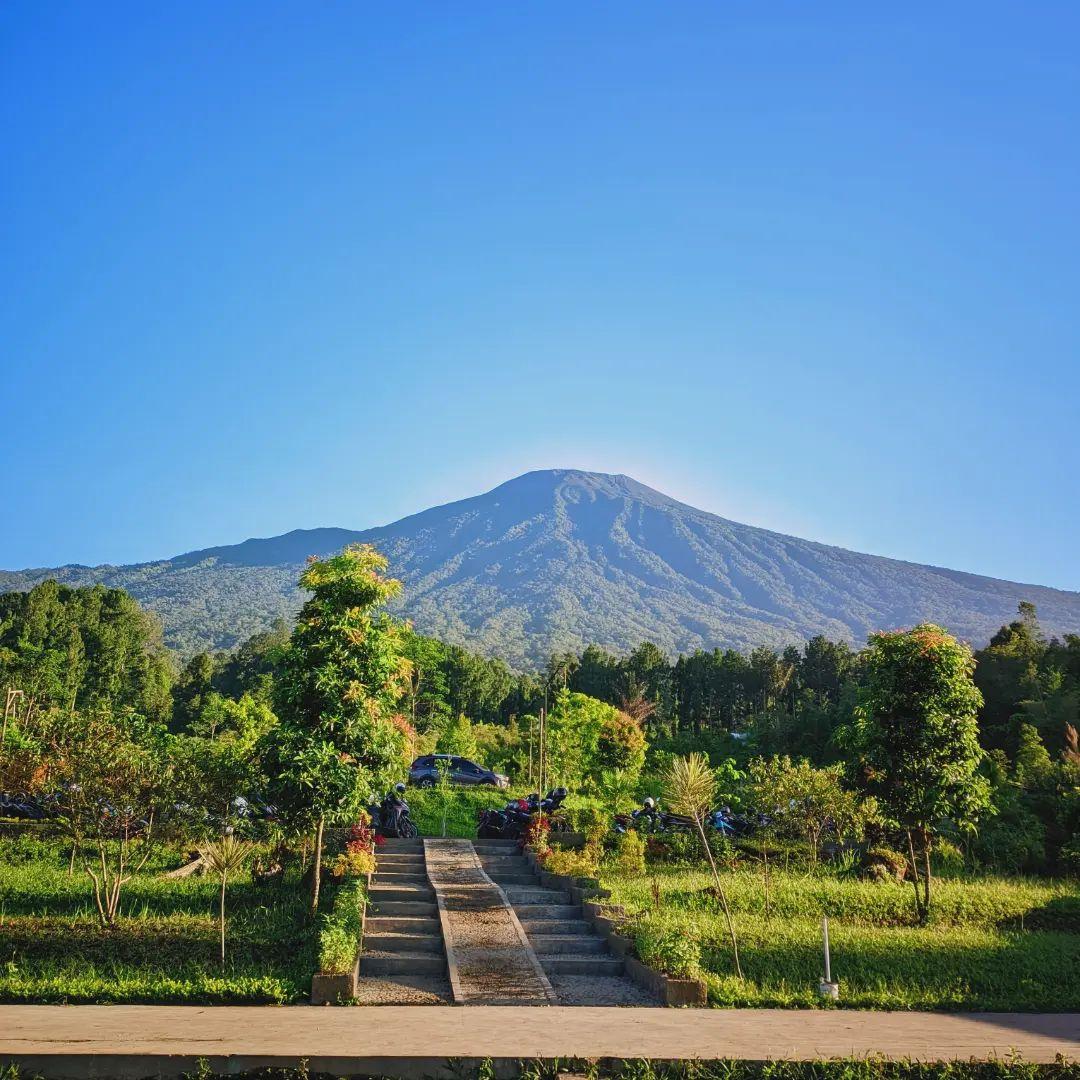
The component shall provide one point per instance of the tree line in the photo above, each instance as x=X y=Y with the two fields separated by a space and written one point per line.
x=318 y=717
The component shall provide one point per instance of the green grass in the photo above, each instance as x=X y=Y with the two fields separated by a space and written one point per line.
x=997 y=944
x=164 y=948
x=426 y=808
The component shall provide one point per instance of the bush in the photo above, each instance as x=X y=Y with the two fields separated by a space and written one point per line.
x=883 y=864
x=668 y=950
x=947 y=859
x=426 y=808
x=584 y=862
x=353 y=864
x=684 y=848
x=1069 y=857
x=583 y=815
x=630 y=853
x=339 y=935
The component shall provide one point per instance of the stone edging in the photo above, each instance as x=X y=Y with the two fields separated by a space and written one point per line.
x=670 y=990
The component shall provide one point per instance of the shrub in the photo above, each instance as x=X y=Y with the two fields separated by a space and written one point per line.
x=947 y=859
x=630 y=853
x=585 y=816
x=667 y=950
x=353 y=864
x=584 y=862
x=1013 y=842
x=884 y=864
x=339 y=935
x=685 y=848
x=1069 y=857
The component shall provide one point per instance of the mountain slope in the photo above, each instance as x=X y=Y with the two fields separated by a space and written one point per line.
x=559 y=558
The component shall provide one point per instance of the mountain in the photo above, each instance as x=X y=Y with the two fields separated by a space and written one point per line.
x=560 y=558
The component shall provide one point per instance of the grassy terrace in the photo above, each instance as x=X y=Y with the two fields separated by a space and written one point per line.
x=995 y=943
x=163 y=950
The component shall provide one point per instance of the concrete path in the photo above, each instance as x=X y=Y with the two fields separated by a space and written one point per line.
x=488 y=956
x=129 y=1041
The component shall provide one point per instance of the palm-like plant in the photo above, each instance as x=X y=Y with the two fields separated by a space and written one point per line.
x=690 y=790
x=225 y=857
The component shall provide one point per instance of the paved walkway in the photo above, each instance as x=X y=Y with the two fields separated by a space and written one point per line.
x=488 y=956
x=128 y=1041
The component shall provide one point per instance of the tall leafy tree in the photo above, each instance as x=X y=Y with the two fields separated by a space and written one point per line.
x=340 y=680
x=916 y=740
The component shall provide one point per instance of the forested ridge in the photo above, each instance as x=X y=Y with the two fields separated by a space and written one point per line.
x=558 y=560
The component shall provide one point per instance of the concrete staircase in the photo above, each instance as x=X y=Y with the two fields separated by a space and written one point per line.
x=564 y=943
x=403 y=945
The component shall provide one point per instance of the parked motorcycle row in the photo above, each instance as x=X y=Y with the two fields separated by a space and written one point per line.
x=125 y=821
x=649 y=818
x=514 y=819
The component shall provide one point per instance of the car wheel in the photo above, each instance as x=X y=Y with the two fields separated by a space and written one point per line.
x=427 y=782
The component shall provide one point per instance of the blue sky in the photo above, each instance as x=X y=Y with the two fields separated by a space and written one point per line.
x=814 y=267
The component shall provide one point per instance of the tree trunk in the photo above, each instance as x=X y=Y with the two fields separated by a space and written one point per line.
x=920 y=912
x=316 y=877
x=926 y=877
x=224 y=878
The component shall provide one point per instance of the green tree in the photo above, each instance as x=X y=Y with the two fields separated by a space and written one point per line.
x=620 y=744
x=457 y=737
x=111 y=778
x=1032 y=761
x=340 y=679
x=915 y=739
x=805 y=801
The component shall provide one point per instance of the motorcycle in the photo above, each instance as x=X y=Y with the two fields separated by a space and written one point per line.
x=512 y=821
x=391 y=817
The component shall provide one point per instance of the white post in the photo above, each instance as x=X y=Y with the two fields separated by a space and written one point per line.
x=826 y=987
x=825 y=934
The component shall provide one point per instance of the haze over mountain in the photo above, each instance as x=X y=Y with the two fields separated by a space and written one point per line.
x=558 y=559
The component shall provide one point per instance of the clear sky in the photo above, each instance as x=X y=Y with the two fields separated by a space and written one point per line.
x=810 y=266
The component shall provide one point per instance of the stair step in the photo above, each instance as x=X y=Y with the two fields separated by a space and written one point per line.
x=529 y=911
x=501 y=846
x=402 y=924
x=422 y=892
x=399 y=877
x=557 y=927
x=520 y=880
x=396 y=846
x=577 y=964
x=524 y=894
x=393 y=861
x=578 y=944
x=402 y=963
x=395 y=908
x=406 y=943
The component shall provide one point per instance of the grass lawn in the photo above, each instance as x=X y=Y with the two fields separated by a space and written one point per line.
x=164 y=949
x=992 y=943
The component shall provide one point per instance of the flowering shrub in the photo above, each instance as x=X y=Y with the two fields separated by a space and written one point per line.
x=358 y=859
x=353 y=864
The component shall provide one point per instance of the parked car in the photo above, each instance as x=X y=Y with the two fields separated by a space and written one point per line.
x=424 y=772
